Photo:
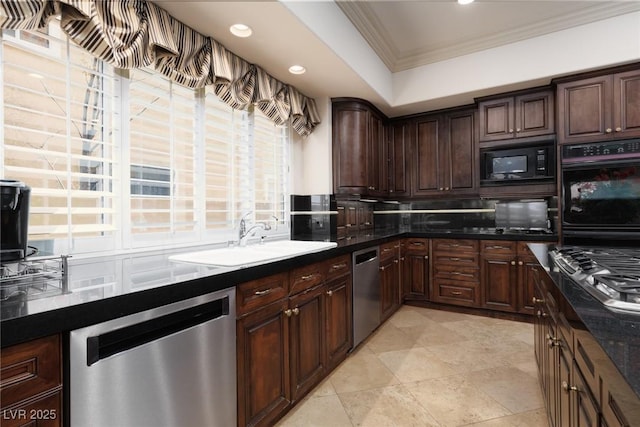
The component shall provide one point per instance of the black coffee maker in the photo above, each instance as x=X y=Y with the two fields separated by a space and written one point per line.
x=14 y=219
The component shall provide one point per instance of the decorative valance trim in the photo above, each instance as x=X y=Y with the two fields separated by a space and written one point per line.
x=136 y=33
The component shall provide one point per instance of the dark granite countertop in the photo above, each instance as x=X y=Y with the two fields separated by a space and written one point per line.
x=618 y=333
x=110 y=287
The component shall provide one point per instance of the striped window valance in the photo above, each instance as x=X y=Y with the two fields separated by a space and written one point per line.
x=136 y=33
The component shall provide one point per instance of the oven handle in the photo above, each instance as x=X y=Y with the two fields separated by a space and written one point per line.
x=582 y=164
x=123 y=339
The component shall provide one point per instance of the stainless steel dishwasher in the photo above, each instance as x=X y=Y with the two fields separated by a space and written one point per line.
x=366 y=293
x=174 y=365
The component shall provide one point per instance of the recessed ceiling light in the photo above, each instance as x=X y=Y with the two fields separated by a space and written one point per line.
x=297 y=69
x=465 y=1
x=241 y=30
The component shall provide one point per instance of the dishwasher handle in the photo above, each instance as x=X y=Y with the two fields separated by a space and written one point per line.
x=361 y=258
x=123 y=339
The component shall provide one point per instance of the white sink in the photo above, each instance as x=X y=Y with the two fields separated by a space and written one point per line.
x=252 y=254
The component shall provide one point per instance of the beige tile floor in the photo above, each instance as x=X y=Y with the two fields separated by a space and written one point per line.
x=428 y=367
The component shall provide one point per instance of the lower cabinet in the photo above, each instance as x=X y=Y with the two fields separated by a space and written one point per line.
x=414 y=264
x=580 y=384
x=389 y=279
x=287 y=346
x=31 y=383
x=455 y=272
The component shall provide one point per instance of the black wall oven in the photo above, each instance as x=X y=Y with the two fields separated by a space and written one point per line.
x=601 y=193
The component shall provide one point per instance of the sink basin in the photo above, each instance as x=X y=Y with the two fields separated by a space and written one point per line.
x=253 y=254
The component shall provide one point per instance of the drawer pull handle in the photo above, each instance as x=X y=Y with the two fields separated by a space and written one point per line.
x=261 y=293
x=497 y=247
x=454 y=259
x=307 y=277
x=456 y=293
x=330 y=293
x=386 y=249
x=338 y=266
x=537 y=300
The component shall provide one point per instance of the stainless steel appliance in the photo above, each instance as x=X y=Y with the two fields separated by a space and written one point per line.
x=174 y=365
x=524 y=215
x=366 y=293
x=14 y=219
x=611 y=275
x=601 y=192
x=534 y=163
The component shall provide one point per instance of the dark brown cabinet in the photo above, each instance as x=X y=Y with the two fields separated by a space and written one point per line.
x=445 y=154
x=507 y=276
x=414 y=262
x=292 y=329
x=360 y=157
x=456 y=272
x=400 y=138
x=599 y=108
x=31 y=383
x=519 y=115
x=389 y=279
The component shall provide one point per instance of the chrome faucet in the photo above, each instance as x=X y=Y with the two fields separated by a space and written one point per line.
x=244 y=233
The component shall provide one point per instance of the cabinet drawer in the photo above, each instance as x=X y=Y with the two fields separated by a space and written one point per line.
x=389 y=250
x=29 y=369
x=460 y=293
x=495 y=247
x=417 y=245
x=454 y=272
x=455 y=245
x=456 y=259
x=306 y=277
x=338 y=266
x=43 y=412
x=260 y=292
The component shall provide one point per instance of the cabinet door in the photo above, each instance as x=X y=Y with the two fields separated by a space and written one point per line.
x=426 y=154
x=263 y=365
x=350 y=148
x=563 y=384
x=307 y=340
x=626 y=107
x=399 y=142
x=496 y=119
x=389 y=287
x=378 y=158
x=534 y=114
x=461 y=156
x=585 y=411
x=338 y=320
x=584 y=110
x=498 y=282
x=526 y=267
x=415 y=276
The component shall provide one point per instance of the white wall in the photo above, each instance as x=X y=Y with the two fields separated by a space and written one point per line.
x=311 y=157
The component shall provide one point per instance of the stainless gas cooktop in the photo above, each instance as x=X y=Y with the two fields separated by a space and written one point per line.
x=611 y=275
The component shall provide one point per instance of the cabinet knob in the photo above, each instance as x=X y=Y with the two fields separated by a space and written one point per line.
x=446 y=188
x=510 y=130
x=441 y=189
x=520 y=263
x=402 y=258
x=517 y=129
x=618 y=129
x=513 y=263
x=567 y=388
x=382 y=268
x=296 y=311
x=537 y=300
x=426 y=257
x=288 y=312
x=330 y=293
x=608 y=130
x=395 y=261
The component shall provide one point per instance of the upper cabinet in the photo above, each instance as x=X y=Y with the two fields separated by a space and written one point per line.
x=445 y=154
x=400 y=136
x=599 y=108
x=360 y=151
x=517 y=115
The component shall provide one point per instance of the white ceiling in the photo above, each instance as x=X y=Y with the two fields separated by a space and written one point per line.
x=403 y=34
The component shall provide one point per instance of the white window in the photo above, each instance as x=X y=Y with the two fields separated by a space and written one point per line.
x=123 y=159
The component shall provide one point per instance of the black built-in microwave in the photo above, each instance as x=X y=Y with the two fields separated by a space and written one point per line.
x=533 y=163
